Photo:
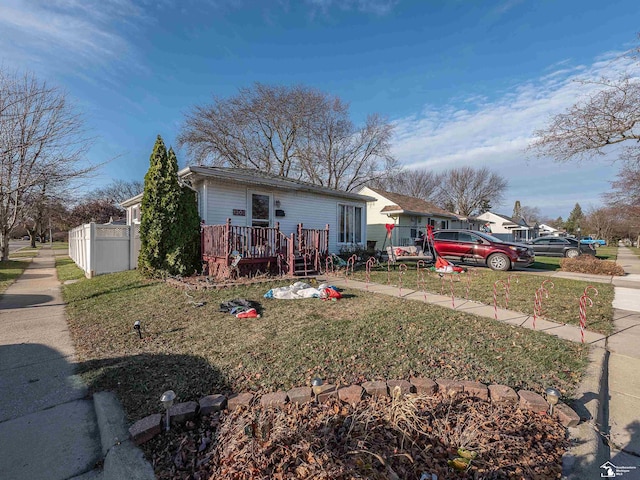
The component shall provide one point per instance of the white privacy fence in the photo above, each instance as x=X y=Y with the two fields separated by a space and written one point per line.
x=99 y=249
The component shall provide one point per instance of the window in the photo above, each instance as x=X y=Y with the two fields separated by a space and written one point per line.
x=465 y=237
x=415 y=224
x=446 y=235
x=349 y=224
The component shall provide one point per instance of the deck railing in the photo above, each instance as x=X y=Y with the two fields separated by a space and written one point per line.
x=225 y=242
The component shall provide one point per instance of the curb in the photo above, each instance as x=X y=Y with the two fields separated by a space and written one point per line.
x=122 y=459
x=588 y=450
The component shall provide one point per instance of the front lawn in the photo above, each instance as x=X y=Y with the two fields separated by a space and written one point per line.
x=10 y=271
x=67 y=269
x=562 y=305
x=607 y=253
x=199 y=350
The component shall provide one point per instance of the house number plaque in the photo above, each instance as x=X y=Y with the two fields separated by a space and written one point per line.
x=239 y=213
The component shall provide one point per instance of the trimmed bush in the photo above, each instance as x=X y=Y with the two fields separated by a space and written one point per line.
x=590 y=264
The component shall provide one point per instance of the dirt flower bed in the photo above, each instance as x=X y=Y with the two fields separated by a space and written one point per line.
x=408 y=437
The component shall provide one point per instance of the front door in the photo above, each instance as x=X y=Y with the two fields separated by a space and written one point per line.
x=260 y=210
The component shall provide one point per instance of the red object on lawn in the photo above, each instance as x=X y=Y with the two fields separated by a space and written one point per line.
x=442 y=263
x=251 y=313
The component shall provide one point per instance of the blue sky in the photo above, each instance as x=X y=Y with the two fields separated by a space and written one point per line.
x=464 y=82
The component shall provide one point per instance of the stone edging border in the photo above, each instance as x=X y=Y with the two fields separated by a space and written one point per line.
x=147 y=428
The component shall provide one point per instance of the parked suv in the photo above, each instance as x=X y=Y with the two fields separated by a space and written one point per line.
x=471 y=245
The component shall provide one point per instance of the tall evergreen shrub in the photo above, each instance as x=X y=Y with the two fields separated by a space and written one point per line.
x=184 y=256
x=160 y=202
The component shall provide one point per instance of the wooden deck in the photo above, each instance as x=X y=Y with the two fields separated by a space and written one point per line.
x=237 y=251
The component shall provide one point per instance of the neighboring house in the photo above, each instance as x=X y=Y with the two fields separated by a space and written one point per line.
x=545 y=229
x=252 y=198
x=132 y=206
x=507 y=228
x=468 y=223
x=409 y=215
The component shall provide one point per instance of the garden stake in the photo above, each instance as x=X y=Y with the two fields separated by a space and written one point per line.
x=420 y=275
x=389 y=272
x=495 y=296
x=402 y=268
x=441 y=283
x=352 y=260
x=453 y=300
x=537 y=303
x=584 y=299
x=466 y=295
x=367 y=274
x=508 y=290
x=328 y=261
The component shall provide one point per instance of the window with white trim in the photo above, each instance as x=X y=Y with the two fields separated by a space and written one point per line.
x=349 y=224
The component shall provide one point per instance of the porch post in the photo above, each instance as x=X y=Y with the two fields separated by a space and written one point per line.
x=326 y=239
x=227 y=240
x=277 y=239
x=290 y=252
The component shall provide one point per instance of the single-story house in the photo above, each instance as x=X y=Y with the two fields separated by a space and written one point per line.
x=409 y=215
x=243 y=200
x=507 y=228
x=544 y=229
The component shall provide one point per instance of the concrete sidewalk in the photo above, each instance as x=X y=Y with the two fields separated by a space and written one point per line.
x=623 y=379
x=48 y=429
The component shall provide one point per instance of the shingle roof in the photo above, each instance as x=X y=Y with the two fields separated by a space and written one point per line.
x=257 y=177
x=522 y=223
x=411 y=205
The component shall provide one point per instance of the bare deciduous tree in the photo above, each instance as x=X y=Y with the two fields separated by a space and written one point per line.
x=531 y=215
x=42 y=140
x=419 y=183
x=606 y=118
x=465 y=190
x=117 y=191
x=625 y=190
x=602 y=222
x=295 y=132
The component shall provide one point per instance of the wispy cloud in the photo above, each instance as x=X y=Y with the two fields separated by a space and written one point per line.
x=375 y=7
x=58 y=34
x=477 y=132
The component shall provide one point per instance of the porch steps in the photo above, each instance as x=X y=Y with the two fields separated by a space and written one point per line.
x=300 y=270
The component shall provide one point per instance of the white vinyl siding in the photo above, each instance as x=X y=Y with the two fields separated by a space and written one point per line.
x=311 y=209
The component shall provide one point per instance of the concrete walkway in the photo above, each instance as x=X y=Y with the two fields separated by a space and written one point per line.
x=623 y=379
x=48 y=429
x=610 y=395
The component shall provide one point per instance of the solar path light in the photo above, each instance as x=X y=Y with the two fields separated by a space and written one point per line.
x=167 y=399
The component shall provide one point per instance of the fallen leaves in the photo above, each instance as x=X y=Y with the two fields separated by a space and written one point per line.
x=379 y=438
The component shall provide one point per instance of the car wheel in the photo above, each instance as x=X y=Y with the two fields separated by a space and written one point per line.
x=499 y=261
x=571 y=253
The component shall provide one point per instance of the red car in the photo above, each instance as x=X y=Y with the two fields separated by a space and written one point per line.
x=466 y=245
